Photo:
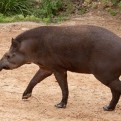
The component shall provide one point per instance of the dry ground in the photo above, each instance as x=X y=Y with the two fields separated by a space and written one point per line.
x=87 y=95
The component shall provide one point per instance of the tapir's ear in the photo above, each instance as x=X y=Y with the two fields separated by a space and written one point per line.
x=14 y=43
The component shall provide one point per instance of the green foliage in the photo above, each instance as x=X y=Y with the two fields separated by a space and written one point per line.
x=54 y=10
x=112 y=6
x=105 y=1
x=114 y=2
x=119 y=4
x=82 y=11
x=49 y=8
x=19 y=17
x=12 y=7
x=113 y=12
x=68 y=6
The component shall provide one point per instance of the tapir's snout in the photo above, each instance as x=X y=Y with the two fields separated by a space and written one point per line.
x=1 y=68
x=2 y=64
x=11 y=60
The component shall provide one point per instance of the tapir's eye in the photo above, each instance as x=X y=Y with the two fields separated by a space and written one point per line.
x=13 y=55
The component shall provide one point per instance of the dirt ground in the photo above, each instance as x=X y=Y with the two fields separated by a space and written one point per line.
x=87 y=95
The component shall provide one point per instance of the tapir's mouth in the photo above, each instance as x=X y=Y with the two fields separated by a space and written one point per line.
x=1 y=69
x=6 y=67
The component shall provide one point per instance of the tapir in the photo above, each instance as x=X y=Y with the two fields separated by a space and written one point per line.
x=57 y=49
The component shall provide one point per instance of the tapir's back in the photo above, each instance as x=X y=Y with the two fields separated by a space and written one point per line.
x=77 y=47
x=79 y=37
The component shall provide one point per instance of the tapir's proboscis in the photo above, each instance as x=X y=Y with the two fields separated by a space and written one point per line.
x=58 y=49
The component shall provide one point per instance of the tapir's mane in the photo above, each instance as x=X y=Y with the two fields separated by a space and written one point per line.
x=37 y=32
x=40 y=31
x=32 y=33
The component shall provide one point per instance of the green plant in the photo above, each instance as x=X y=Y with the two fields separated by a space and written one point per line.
x=69 y=7
x=113 y=12
x=45 y=10
x=82 y=11
x=105 y=1
x=119 y=5
x=49 y=8
x=18 y=17
x=12 y=7
x=115 y=2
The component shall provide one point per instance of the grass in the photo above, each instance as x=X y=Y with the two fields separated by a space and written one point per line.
x=49 y=11
x=20 y=17
x=27 y=10
x=13 y=7
x=112 y=6
x=16 y=18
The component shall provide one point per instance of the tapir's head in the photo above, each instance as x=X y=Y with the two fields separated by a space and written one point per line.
x=14 y=58
x=17 y=55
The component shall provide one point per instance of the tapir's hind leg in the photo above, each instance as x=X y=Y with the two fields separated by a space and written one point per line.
x=115 y=87
x=113 y=102
x=61 y=78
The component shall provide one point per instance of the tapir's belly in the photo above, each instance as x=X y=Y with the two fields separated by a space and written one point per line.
x=79 y=64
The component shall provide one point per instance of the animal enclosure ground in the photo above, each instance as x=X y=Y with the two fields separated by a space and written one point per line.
x=87 y=95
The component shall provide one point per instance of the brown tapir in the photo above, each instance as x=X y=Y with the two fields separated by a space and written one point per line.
x=58 y=49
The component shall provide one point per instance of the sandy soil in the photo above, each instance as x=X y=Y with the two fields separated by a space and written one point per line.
x=87 y=95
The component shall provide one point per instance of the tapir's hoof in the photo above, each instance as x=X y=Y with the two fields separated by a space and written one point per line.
x=107 y=108
x=61 y=105
x=27 y=96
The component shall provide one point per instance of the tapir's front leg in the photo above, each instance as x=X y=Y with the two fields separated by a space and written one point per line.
x=39 y=76
x=61 y=77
